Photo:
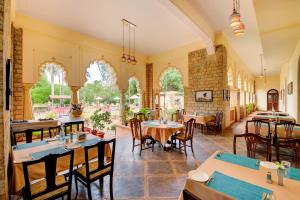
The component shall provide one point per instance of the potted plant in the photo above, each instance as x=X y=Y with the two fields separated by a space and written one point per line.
x=100 y=120
x=125 y=115
x=76 y=110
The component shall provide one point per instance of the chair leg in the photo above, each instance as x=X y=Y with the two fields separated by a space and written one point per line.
x=76 y=186
x=133 y=143
x=89 y=191
x=141 y=148
x=111 y=192
x=152 y=145
x=234 y=145
x=185 y=148
x=192 y=146
x=101 y=186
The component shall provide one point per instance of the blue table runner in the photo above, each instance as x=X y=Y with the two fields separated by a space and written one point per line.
x=30 y=145
x=40 y=154
x=238 y=160
x=236 y=188
x=293 y=173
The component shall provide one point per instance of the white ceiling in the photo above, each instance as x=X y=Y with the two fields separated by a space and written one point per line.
x=279 y=25
x=158 y=28
x=248 y=47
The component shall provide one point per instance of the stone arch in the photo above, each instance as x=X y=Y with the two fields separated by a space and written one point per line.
x=230 y=77
x=239 y=81
x=298 y=93
x=110 y=67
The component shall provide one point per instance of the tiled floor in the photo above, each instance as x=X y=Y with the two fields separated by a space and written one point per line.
x=159 y=174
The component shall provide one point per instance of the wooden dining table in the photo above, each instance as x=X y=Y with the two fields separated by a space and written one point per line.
x=160 y=131
x=37 y=171
x=290 y=189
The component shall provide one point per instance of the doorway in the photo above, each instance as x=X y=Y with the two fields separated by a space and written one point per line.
x=272 y=99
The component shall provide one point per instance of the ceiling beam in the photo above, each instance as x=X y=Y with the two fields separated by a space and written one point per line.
x=184 y=11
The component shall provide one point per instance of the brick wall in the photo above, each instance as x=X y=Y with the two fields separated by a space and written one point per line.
x=206 y=73
x=149 y=86
x=17 y=86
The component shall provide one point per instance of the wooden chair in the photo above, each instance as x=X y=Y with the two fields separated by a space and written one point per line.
x=53 y=131
x=290 y=144
x=252 y=141
x=28 y=135
x=288 y=130
x=68 y=129
x=153 y=114
x=258 y=125
x=136 y=130
x=177 y=116
x=94 y=170
x=53 y=185
x=185 y=136
x=216 y=125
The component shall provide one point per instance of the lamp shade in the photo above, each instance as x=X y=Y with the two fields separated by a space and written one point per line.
x=235 y=19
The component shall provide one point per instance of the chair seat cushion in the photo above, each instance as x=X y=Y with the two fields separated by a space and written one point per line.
x=92 y=166
x=40 y=186
x=181 y=136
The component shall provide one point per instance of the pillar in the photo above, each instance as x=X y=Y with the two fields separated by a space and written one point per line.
x=122 y=100
x=149 y=86
x=28 y=113
x=74 y=90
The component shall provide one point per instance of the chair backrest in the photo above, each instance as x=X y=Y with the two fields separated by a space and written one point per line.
x=100 y=147
x=252 y=140
x=288 y=128
x=290 y=144
x=140 y=116
x=68 y=129
x=28 y=135
x=53 y=131
x=219 y=118
x=50 y=163
x=153 y=114
x=189 y=128
x=257 y=127
x=136 y=128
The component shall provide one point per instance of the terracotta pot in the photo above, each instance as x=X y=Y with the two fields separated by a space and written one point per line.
x=76 y=113
x=100 y=134
x=94 y=132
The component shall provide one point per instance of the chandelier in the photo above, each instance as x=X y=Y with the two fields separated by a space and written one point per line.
x=236 y=24
x=130 y=56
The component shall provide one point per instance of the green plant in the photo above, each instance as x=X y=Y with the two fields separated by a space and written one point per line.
x=145 y=111
x=51 y=115
x=125 y=115
x=100 y=119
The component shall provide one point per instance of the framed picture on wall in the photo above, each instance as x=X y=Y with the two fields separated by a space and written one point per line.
x=290 y=88
x=204 y=96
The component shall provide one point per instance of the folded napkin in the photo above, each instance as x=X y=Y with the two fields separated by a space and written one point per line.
x=236 y=188
x=40 y=154
x=238 y=160
x=30 y=145
x=293 y=173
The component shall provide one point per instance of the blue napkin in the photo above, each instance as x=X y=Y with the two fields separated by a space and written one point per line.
x=293 y=173
x=30 y=145
x=40 y=154
x=238 y=160
x=236 y=188
x=88 y=142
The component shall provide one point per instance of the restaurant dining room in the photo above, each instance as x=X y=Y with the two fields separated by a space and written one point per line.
x=150 y=100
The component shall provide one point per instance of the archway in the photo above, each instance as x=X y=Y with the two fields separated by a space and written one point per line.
x=100 y=91
x=172 y=92
x=133 y=95
x=51 y=95
x=272 y=100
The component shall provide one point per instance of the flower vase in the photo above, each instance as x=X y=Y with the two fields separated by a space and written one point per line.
x=280 y=174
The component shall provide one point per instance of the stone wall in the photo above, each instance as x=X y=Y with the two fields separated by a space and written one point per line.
x=5 y=53
x=149 y=85
x=17 y=85
x=207 y=73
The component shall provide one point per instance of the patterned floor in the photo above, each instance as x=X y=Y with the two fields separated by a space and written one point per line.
x=159 y=175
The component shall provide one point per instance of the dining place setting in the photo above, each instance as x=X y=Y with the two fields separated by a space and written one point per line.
x=228 y=176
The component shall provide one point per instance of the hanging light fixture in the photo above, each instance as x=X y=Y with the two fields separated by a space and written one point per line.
x=235 y=19
x=128 y=57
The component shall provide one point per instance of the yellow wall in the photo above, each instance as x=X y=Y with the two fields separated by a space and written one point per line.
x=290 y=73
x=177 y=58
x=272 y=82
x=43 y=41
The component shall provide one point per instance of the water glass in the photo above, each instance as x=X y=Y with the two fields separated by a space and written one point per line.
x=286 y=164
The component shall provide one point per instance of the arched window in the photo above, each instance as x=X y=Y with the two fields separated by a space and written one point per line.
x=133 y=95
x=239 y=81
x=230 y=77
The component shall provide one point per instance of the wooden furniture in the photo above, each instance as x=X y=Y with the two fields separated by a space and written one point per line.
x=53 y=131
x=53 y=185
x=136 y=130
x=252 y=142
x=178 y=116
x=287 y=130
x=216 y=125
x=289 y=191
x=70 y=121
x=292 y=145
x=184 y=137
x=93 y=170
x=189 y=196
x=272 y=99
x=140 y=116
x=28 y=135
x=24 y=154
x=19 y=126
x=201 y=120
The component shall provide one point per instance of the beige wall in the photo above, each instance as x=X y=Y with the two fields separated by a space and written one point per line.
x=43 y=41
x=290 y=73
x=272 y=82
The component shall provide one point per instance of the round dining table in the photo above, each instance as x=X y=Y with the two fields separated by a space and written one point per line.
x=161 y=131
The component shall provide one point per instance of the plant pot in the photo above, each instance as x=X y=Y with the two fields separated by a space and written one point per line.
x=94 y=131
x=76 y=113
x=100 y=134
